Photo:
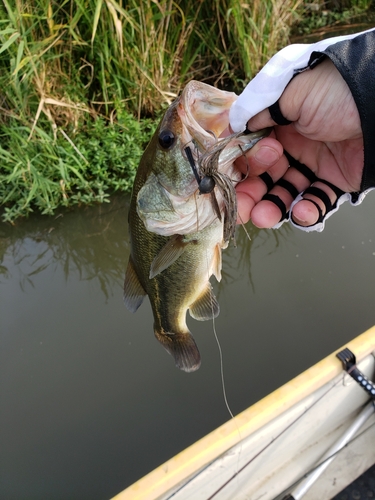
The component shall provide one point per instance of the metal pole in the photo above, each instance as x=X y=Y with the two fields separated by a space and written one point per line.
x=329 y=456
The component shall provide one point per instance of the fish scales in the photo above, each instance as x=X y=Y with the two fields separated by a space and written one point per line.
x=176 y=236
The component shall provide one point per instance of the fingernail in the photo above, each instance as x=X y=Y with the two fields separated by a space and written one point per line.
x=267 y=155
x=299 y=221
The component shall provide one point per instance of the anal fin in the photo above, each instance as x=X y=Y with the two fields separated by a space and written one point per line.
x=133 y=291
x=206 y=306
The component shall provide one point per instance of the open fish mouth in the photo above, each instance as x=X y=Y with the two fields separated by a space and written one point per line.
x=204 y=112
x=202 y=186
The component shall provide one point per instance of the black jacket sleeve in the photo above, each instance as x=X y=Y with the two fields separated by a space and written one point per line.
x=355 y=60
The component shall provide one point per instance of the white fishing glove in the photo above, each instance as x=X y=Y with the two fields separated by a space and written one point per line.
x=264 y=91
x=268 y=85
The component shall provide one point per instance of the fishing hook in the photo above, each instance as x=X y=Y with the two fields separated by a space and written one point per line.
x=207 y=183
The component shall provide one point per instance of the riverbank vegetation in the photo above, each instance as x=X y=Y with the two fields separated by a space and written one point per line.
x=82 y=82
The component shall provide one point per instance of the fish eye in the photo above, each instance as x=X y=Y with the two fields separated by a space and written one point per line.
x=166 y=139
x=206 y=185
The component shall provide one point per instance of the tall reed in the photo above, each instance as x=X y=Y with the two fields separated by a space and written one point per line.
x=68 y=67
x=66 y=59
x=258 y=29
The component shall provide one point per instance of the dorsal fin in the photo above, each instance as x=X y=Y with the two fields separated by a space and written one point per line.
x=206 y=306
x=134 y=292
x=183 y=348
x=170 y=252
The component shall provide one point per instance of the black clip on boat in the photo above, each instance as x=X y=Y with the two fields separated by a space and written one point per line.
x=349 y=362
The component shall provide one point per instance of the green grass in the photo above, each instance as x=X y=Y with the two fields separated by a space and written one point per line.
x=42 y=173
x=78 y=79
x=319 y=19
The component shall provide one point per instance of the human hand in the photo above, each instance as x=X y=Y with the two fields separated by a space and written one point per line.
x=325 y=135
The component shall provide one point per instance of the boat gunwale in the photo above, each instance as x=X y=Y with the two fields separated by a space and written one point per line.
x=191 y=460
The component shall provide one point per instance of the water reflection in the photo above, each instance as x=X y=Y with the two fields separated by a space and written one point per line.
x=89 y=244
x=237 y=260
x=91 y=402
x=92 y=244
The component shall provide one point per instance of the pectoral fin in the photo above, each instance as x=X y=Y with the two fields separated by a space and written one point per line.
x=133 y=291
x=206 y=306
x=170 y=252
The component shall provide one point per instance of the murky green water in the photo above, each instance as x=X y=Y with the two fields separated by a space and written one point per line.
x=89 y=401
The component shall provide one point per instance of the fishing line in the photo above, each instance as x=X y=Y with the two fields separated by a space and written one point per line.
x=273 y=440
x=222 y=373
x=222 y=368
x=246 y=176
x=244 y=227
x=291 y=487
x=268 y=445
x=196 y=209
x=220 y=350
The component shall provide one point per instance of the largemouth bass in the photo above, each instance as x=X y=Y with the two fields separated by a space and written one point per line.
x=179 y=223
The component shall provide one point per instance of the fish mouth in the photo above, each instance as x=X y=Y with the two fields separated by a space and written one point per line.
x=204 y=114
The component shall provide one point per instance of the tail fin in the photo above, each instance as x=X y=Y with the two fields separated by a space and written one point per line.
x=183 y=348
